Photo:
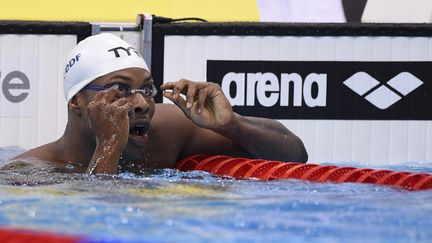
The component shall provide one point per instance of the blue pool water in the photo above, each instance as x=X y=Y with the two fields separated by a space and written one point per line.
x=171 y=206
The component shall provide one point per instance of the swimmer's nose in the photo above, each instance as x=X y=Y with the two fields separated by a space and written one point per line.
x=140 y=104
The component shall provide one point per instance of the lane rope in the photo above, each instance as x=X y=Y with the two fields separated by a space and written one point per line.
x=242 y=168
x=24 y=236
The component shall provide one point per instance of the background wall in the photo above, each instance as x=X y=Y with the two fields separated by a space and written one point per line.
x=126 y=11
x=222 y=10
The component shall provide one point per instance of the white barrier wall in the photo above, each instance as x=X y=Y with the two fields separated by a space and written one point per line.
x=397 y=11
x=33 y=108
x=32 y=104
x=340 y=140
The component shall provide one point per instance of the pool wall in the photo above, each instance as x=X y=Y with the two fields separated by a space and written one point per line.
x=351 y=92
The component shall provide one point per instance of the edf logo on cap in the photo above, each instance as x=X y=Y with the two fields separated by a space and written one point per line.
x=72 y=62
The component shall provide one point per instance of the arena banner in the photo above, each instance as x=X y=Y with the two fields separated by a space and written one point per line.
x=326 y=89
x=357 y=93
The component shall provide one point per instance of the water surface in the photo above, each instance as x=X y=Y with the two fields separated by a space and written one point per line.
x=171 y=206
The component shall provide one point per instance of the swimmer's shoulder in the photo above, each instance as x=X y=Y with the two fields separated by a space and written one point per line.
x=167 y=108
x=170 y=114
x=171 y=124
x=39 y=158
x=24 y=164
x=46 y=152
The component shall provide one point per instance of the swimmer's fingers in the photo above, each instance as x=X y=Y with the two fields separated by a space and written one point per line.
x=123 y=107
x=122 y=102
x=190 y=95
x=202 y=96
x=126 y=108
x=179 y=101
x=107 y=96
x=177 y=88
x=209 y=94
x=197 y=93
x=168 y=86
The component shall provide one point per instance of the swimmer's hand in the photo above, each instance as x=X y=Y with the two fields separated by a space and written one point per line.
x=108 y=117
x=205 y=103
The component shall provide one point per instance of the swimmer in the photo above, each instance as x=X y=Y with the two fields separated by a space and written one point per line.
x=115 y=126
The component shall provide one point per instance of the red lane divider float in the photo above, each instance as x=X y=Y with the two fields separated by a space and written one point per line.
x=242 y=168
x=21 y=236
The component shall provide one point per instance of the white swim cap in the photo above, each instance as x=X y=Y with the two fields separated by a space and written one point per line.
x=96 y=56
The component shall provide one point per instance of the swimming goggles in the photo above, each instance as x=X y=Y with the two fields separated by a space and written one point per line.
x=148 y=91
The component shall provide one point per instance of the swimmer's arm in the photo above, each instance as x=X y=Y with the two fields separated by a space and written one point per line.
x=258 y=137
x=111 y=137
x=105 y=158
x=208 y=108
x=264 y=138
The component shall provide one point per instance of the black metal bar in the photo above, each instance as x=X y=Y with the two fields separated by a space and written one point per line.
x=294 y=29
x=81 y=29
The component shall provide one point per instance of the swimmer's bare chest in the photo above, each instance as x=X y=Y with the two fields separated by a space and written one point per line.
x=150 y=161
x=166 y=143
x=161 y=154
x=162 y=151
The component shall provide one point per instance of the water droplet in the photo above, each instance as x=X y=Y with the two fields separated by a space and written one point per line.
x=31 y=214
x=70 y=166
x=169 y=222
x=240 y=223
x=123 y=220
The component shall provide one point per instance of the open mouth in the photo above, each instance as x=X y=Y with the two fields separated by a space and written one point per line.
x=138 y=129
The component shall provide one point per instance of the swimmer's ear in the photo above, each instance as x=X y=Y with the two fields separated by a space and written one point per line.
x=74 y=104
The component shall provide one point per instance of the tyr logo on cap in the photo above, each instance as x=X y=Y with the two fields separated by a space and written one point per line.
x=127 y=50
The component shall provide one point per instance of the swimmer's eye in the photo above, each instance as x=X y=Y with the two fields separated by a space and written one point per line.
x=147 y=91
x=126 y=90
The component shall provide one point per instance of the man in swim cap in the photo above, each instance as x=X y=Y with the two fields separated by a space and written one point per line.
x=114 y=123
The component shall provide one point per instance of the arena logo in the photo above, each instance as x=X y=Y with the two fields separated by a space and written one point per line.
x=326 y=89
x=15 y=86
x=269 y=90
x=383 y=95
x=18 y=86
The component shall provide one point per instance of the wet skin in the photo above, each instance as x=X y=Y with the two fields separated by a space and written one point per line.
x=107 y=130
